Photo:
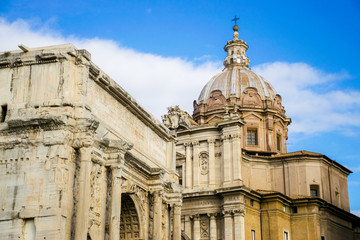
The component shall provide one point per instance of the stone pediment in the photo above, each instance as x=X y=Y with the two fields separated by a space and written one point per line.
x=252 y=115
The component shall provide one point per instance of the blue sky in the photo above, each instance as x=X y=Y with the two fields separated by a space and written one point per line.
x=307 y=49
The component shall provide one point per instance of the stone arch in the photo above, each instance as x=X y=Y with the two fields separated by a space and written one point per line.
x=131 y=221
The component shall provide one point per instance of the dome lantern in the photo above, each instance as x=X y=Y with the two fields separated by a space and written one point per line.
x=236 y=51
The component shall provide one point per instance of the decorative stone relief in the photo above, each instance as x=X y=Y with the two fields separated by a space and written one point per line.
x=204 y=227
x=204 y=163
x=216 y=100
x=250 y=98
x=177 y=118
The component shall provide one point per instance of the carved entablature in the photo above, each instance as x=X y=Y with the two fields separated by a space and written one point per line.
x=176 y=118
x=250 y=98
x=119 y=145
x=216 y=100
x=114 y=150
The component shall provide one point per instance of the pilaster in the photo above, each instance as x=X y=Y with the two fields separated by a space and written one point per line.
x=236 y=156
x=188 y=226
x=197 y=227
x=157 y=234
x=227 y=158
x=83 y=204
x=177 y=222
x=239 y=224
x=189 y=168
x=212 y=177
x=196 y=146
x=228 y=225
x=213 y=227
x=115 y=203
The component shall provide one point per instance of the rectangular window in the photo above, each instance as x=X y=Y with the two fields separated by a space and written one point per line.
x=286 y=235
x=252 y=234
x=251 y=202
x=284 y=208
x=3 y=113
x=314 y=190
x=322 y=238
x=294 y=209
x=252 y=137
x=278 y=142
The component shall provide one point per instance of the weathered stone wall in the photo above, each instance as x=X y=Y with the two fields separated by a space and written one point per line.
x=62 y=152
x=116 y=119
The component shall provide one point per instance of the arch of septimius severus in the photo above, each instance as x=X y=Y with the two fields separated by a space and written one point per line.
x=81 y=159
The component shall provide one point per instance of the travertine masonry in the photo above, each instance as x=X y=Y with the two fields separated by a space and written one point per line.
x=75 y=149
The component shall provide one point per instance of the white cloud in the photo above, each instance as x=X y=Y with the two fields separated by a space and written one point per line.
x=356 y=212
x=308 y=99
x=157 y=82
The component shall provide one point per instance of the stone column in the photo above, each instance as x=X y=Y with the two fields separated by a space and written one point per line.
x=189 y=168
x=227 y=159
x=228 y=226
x=177 y=223
x=157 y=234
x=196 y=227
x=83 y=204
x=213 y=227
x=236 y=157
x=212 y=178
x=239 y=224
x=196 y=163
x=188 y=226
x=115 y=203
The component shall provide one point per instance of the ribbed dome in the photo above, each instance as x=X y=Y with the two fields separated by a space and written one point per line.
x=233 y=82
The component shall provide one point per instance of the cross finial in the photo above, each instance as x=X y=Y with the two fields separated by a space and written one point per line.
x=235 y=19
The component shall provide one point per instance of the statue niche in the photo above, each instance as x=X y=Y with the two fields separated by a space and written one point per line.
x=216 y=100
x=250 y=98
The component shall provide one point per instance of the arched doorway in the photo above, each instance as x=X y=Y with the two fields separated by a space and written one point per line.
x=129 y=221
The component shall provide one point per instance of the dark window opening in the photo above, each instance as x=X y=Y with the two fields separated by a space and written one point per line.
x=314 y=190
x=251 y=202
x=3 y=113
x=294 y=210
x=252 y=137
x=322 y=238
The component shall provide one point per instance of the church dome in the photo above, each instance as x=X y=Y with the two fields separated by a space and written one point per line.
x=236 y=89
x=233 y=82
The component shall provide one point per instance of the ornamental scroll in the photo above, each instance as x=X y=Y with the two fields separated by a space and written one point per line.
x=204 y=163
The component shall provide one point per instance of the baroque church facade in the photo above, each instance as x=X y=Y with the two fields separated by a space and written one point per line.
x=81 y=159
